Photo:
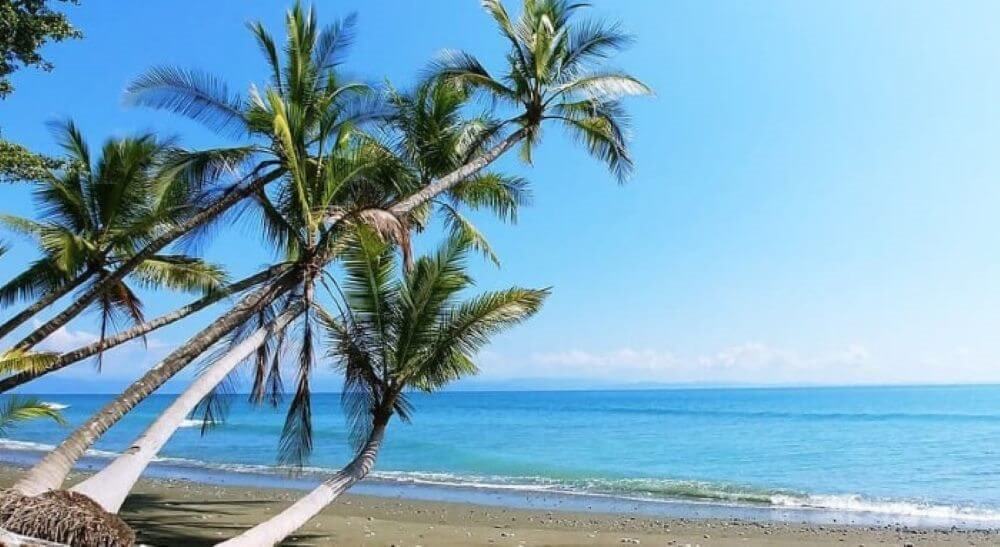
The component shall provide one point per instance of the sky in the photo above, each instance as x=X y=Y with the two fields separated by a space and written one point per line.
x=815 y=197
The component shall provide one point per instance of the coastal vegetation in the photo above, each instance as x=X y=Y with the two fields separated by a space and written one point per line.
x=340 y=176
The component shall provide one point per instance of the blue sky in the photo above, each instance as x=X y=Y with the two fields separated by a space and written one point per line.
x=815 y=198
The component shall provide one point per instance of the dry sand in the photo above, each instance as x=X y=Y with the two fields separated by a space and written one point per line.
x=172 y=512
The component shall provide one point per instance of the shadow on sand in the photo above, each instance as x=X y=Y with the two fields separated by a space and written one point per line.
x=160 y=522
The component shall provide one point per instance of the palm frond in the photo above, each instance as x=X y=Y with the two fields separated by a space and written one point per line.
x=606 y=86
x=23 y=226
x=333 y=42
x=15 y=361
x=354 y=351
x=118 y=306
x=40 y=277
x=186 y=172
x=501 y=194
x=17 y=409
x=592 y=41
x=191 y=93
x=178 y=272
x=466 y=329
x=461 y=68
x=296 y=441
x=601 y=128
x=369 y=266
x=267 y=46
x=461 y=228
x=432 y=282
x=70 y=138
x=268 y=385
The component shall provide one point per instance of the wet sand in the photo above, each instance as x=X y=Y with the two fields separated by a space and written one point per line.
x=177 y=512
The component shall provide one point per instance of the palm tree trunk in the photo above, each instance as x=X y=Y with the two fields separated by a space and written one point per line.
x=275 y=529
x=161 y=241
x=449 y=181
x=111 y=485
x=49 y=473
x=45 y=301
x=79 y=354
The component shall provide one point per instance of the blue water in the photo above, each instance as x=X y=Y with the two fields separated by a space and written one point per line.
x=918 y=451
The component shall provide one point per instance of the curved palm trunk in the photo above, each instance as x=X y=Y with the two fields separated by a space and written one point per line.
x=275 y=529
x=448 y=181
x=45 y=301
x=76 y=355
x=49 y=473
x=111 y=485
x=161 y=241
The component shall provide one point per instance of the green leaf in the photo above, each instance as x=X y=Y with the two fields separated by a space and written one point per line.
x=180 y=272
x=17 y=409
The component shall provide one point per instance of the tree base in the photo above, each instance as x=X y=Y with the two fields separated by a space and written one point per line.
x=63 y=517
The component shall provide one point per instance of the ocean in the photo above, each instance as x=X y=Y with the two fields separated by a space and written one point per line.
x=913 y=455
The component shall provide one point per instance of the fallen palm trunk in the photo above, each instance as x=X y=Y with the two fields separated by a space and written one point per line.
x=275 y=529
x=80 y=354
x=109 y=487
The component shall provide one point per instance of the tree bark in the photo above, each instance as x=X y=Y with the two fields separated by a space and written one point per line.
x=449 y=181
x=161 y=241
x=45 y=301
x=49 y=473
x=275 y=529
x=111 y=485
x=79 y=354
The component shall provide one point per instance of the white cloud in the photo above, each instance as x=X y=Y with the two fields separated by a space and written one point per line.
x=752 y=362
x=65 y=339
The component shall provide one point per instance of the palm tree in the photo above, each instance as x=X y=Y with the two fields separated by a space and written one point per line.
x=306 y=85
x=397 y=332
x=553 y=74
x=433 y=138
x=306 y=115
x=98 y=212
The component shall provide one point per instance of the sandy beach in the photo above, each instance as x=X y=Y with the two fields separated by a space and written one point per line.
x=177 y=512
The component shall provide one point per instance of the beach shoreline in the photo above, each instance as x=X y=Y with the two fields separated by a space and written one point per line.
x=174 y=511
x=432 y=488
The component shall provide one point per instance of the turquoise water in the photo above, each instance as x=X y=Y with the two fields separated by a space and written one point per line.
x=919 y=451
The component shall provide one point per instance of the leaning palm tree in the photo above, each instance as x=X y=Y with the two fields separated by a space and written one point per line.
x=397 y=331
x=301 y=117
x=305 y=83
x=292 y=219
x=97 y=213
x=432 y=137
